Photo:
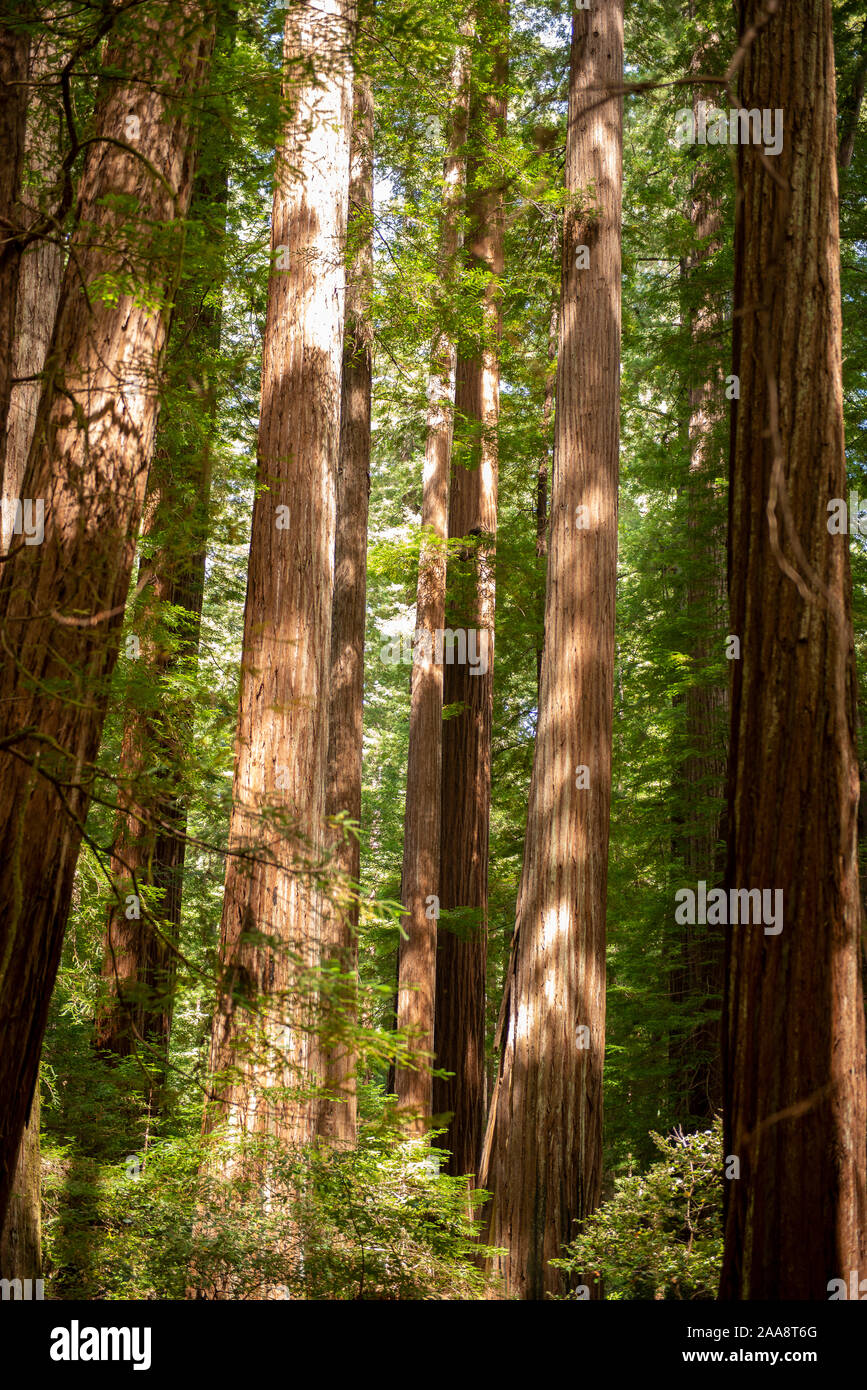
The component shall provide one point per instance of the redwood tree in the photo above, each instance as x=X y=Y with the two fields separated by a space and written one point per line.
x=39 y=279
x=542 y=1156
x=793 y=1023
x=149 y=844
x=61 y=601
x=40 y=270
x=14 y=65
x=468 y=691
x=262 y=1042
x=421 y=841
x=345 y=721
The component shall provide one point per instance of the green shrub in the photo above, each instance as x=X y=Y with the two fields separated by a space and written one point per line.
x=376 y=1222
x=660 y=1235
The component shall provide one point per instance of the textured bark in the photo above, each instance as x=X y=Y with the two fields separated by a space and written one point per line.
x=422 y=823
x=88 y=462
x=542 y=474
x=262 y=1023
x=793 y=1021
x=543 y=1148
x=39 y=279
x=21 y=1237
x=466 y=735
x=851 y=107
x=149 y=845
x=14 y=64
x=699 y=980
x=337 y=1118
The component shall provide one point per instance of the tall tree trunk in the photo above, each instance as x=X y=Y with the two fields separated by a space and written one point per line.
x=542 y=474
x=421 y=842
x=851 y=107
x=39 y=280
x=466 y=735
x=542 y=1157
x=14 y=65
x=149 y=846
x=150 y=839
x=337 y=1118
x=61 y=601
x=277 y=832
x=793 y=1022
x=21 y=1236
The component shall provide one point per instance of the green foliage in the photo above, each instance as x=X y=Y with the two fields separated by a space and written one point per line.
x=660 y=1235
x=378 y=1222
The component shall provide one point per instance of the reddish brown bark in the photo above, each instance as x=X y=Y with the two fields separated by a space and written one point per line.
x=421 y=844
x=262 y=1042
x=468 y=689
x=14 y=64
x=851 y=107
x=88 y=462
x=21 y=1236
x=149 y=846
x=793 y=1020
x=337 y=1118
x=39 y=280
x=542 y=474
x=542 y=1157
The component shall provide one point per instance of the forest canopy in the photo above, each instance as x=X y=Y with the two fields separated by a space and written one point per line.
x=433 y=589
